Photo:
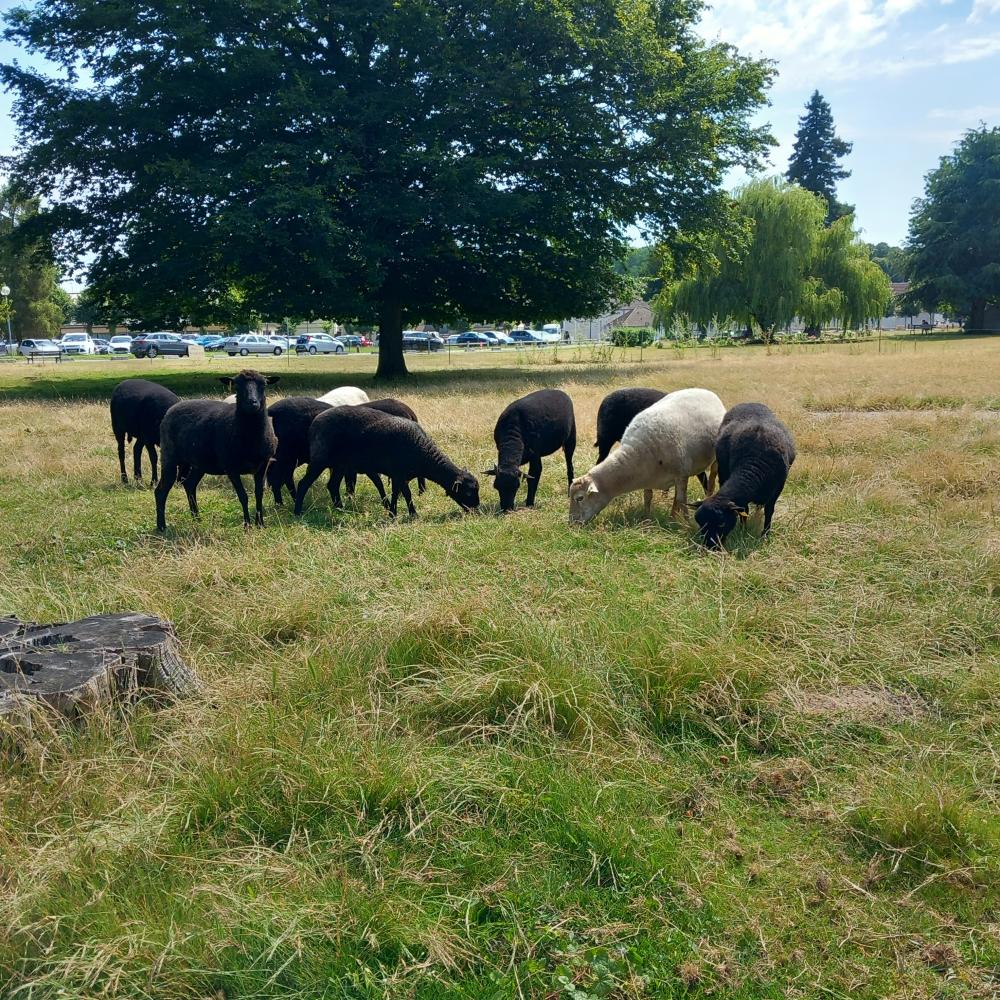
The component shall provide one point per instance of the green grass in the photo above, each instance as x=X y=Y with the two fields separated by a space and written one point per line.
x=500 y=757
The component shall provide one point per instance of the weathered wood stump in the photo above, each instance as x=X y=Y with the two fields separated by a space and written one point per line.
x=77 y=667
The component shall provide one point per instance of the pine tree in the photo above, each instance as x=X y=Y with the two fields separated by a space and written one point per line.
x=814 y=163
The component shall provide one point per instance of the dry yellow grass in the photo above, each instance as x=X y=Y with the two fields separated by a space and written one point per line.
x=472 y=756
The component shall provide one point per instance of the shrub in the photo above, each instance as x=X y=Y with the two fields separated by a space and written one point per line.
x=640 y=336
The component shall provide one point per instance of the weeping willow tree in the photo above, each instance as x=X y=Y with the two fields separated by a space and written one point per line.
x=778 y=263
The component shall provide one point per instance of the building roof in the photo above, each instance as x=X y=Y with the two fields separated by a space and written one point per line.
x=636 y=314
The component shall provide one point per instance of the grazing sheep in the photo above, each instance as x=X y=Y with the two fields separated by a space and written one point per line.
x=395 y=408
x=664 y=445
x=202 y=437
x=137 y=408
x=292 y=417
x=616 y=412
x=529 y=429
x=346 y=395
x=365 y=441
x=755 y=451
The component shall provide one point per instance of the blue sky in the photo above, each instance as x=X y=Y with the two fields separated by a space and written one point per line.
x=904 y=78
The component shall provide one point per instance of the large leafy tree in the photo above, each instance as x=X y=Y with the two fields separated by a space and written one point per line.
x=778 y=262
x=954 y=241
x=384 y=161
x=37 y=304
x=815 y=161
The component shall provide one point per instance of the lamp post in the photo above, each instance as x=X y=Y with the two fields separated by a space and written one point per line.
x=5 y=292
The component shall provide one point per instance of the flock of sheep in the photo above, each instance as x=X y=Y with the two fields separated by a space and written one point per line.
x=665 y=439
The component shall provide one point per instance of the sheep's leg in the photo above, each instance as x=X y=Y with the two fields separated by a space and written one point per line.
x=153 y=475
x=121 y=457
x=568 y=450
x=680 y=500
x=258 y=495
x=647 y=502
x=377 y=480
x=768 y=514
x=241 y=492
x=408 y=497
x=163 y=487
x=534 y=474
x=137 y=460
x=191 y=482
x=277 y=476
x=333 y=488
x=312 y=474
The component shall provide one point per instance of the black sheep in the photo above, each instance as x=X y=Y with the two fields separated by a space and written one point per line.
x=292 y=418
x=616 y=412
x=395 y=408
x=206 y=437
x=529 y=429
x=360 y=440
x=137 y=409
x=755 y=451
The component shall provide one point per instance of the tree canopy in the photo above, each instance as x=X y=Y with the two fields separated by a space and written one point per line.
x=779 y=262
x=389 y=161
x=954 y=239
x=815 y=160
x=37 y=305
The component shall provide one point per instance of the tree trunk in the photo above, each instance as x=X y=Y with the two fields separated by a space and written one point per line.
x=79 y=667
x=977 y=317
x=391 y=364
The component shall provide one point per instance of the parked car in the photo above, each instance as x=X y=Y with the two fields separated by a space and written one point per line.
x=415 y=340
x=40 y=349
x=252 y=343
x=352 y=341
x=120 y=344
x=525 y=337
x=77 y=343
x=472 y=339
x=499 y=339
x=318 y=343
x=150 y=345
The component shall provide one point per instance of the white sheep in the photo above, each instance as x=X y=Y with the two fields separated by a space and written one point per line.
x=346 y=395
x=664 y=446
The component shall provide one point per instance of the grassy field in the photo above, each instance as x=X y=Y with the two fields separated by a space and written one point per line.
x=466 y=756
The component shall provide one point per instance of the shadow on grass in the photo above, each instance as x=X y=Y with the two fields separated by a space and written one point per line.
x=97 y=386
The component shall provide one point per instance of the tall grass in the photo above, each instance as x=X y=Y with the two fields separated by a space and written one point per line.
x=500 y=757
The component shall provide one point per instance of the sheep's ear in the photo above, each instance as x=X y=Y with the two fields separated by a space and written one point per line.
x=272 y=379
x=227 y=381
x=592 y=488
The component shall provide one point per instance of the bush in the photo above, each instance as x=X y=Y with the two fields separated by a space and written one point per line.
x=640 y=336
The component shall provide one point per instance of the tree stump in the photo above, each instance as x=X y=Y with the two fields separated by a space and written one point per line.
x=78 y=667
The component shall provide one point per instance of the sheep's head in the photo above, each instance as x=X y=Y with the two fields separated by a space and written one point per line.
x=465 y=491
x=716 y=517
x=249 y=388
x=586 y=500
x=506 y=482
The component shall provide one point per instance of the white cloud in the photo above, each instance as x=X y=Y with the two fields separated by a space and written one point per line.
x=848 y=39
x=982 y=9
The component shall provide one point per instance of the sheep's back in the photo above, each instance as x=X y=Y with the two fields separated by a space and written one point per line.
x=678 y=432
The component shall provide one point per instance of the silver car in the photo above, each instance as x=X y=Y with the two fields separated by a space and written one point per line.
x=40 y=349
x=252 y=343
